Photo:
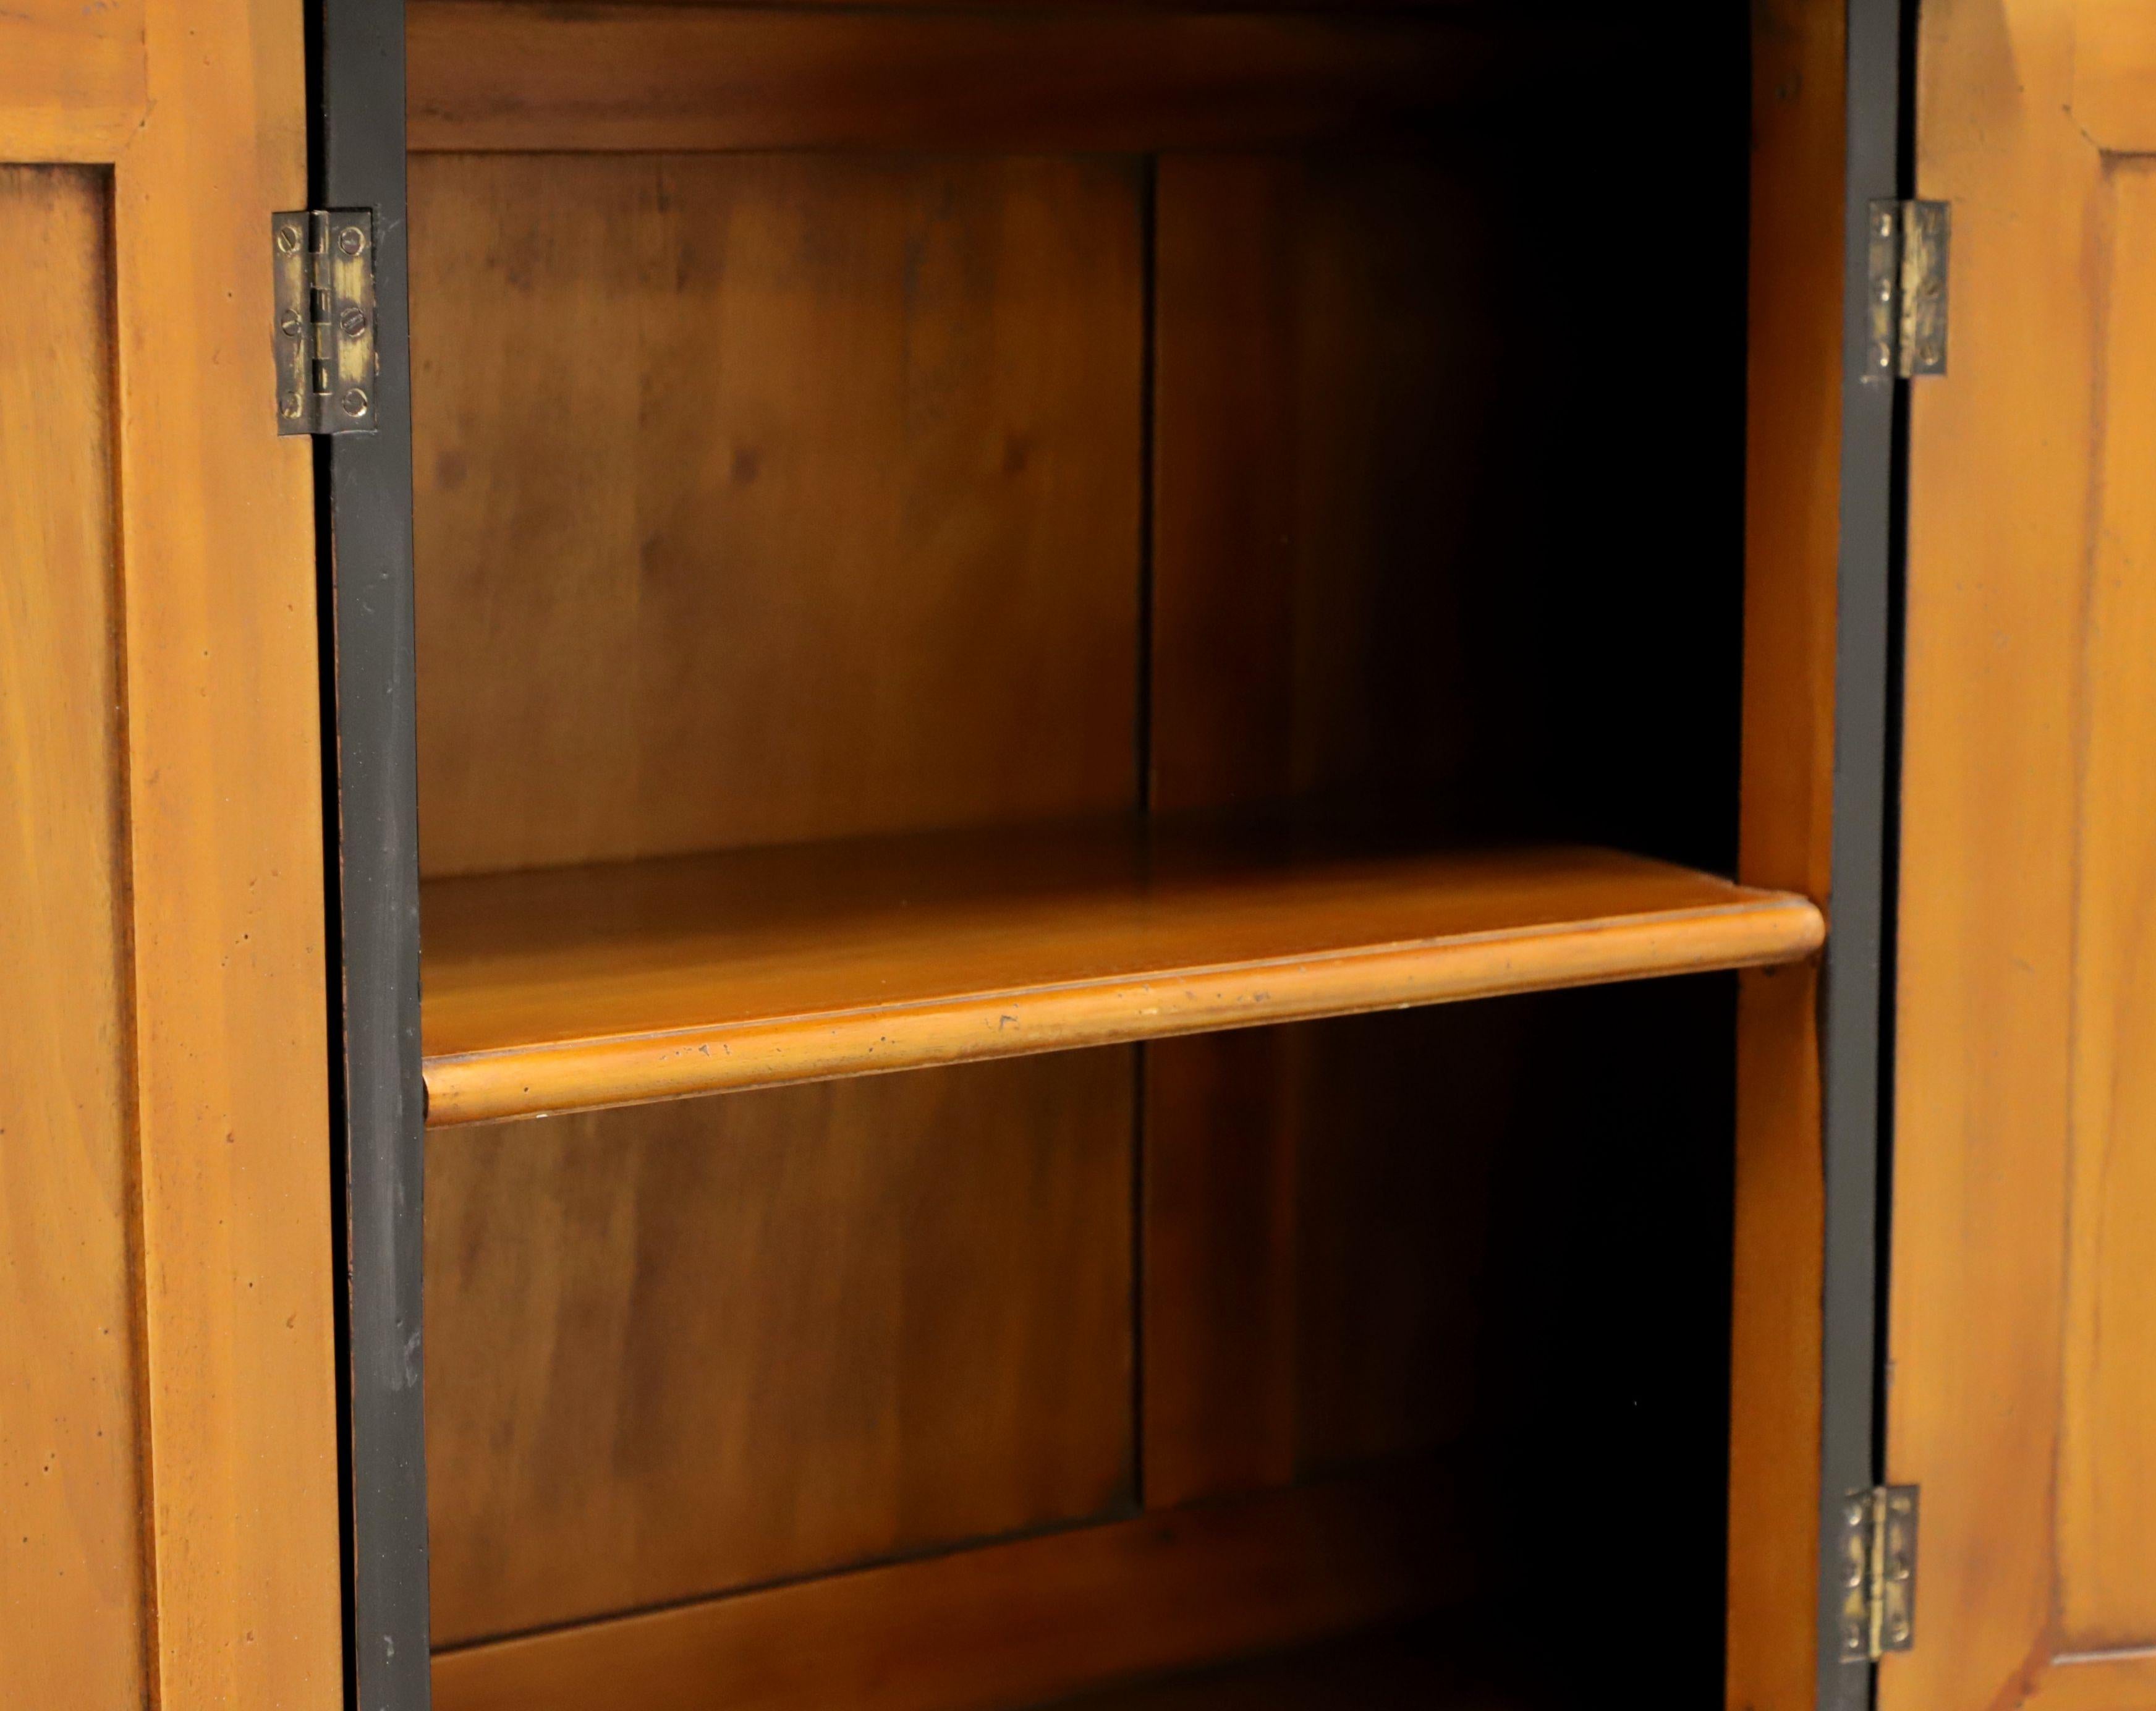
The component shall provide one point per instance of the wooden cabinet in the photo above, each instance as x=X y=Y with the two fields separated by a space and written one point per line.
x=980 y=546
x=2021 y=1306
x=169 y=1413
x=1098 y=853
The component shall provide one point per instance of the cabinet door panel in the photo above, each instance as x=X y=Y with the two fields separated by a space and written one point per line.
x=69 y=1476
x=167 y=1400
x=2023 y=1316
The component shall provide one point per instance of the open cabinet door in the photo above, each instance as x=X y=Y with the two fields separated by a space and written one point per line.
x=169 y=1453
x=2022 y=1322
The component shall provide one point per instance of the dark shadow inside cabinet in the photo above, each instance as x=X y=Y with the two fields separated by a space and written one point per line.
x=1352 y=429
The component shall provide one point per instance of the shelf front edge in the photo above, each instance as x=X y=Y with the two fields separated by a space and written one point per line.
x=587 y=1074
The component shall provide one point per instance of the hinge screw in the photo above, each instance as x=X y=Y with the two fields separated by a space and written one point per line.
x=351 y=240
x=288 y=240
x=355 y=403
x=288 y=406
x=289 y=324
x=1886 y=225
x=353 y=324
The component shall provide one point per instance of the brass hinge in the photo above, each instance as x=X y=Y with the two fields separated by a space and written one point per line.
x=1878 y=1560
x=323 y=262
x=1907 y=305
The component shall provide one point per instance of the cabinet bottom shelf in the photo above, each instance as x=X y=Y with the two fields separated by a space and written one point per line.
x=1433 y=1665
x=1030 y=1621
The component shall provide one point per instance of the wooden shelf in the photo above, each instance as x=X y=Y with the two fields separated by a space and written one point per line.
x=596 y=986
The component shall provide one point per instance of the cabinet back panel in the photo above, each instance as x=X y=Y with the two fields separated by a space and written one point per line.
x=1429 y=538
x=836 y=526
x=692 y=1347
x=1329 y=361
x=1434 y=528
x=771 y=497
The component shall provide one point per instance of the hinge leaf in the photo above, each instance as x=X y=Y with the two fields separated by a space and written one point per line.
x=1906 y=307
x=322 y=264
x=1877 y=1540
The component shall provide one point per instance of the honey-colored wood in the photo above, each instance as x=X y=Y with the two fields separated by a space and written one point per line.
x=1319 y=1217
x=1222 y=1164
x=652 y=981
x=1792 y=559
x=2107 y=1523
x=2113 y=98
x=1014 y=1624
x=1307 y=634
x=164 y=703
x=74 y=1605
x=1428 y=1665
x=719 y=1343
x=225 y=836
x=832 y=528
x=1314 y=390
x=2025 y=1121
x=73 y=82
x=1359 y=594
x=526 y=77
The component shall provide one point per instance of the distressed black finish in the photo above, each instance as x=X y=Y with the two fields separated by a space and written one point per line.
x=364 y=488
x=1859 y=946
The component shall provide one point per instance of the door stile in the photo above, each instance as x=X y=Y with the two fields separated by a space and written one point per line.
x=365 y=481
x=1856 y=1049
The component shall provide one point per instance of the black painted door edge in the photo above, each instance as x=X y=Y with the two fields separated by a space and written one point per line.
x=1857 y=1020
x=363 y=504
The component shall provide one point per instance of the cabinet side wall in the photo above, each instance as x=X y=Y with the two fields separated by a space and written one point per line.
x=1792 y=548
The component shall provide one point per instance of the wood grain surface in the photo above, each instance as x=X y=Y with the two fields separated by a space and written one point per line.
x=719 y=1343
x=224 y=794
x=2113 y=91
x=2107 y=1539
x=1317 y=449
x=1361 y=593
x=1015 y=1624
x=660 y=78
x=75 y=1609
x=1444 y=1665
x=831 y=525
x=1321 y=1213
x=1792 y=496
x=651 y=981
x=74 y=82
x=832 y=528
x=2025 y=1119
x=1317 y=394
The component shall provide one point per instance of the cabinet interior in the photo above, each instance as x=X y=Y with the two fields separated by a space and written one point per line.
x=942 y=534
